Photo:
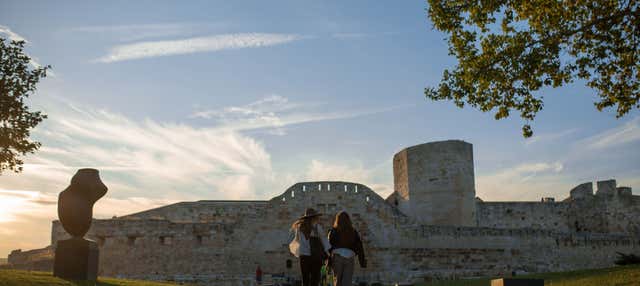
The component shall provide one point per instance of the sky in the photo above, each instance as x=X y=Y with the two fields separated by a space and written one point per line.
x=239 y=100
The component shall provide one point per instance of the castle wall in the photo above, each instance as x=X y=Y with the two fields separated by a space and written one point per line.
x=606 y=214
x=610 y=210
x=436 y=182
x=398 y=247
x=34 y=260
x=537 y=215
x=204 y=211
x=228 y=250
x=445 y=252
x=228 y=253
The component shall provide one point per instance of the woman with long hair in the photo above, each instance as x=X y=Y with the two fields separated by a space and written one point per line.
x=345 y=244
x=310 y=245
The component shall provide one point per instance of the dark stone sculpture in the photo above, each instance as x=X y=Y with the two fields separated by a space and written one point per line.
x=77 y=258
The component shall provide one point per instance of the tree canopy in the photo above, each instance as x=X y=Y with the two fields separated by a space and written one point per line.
x=18 y=80
x=509 y=49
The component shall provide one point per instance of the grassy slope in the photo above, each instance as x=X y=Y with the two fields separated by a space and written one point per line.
x=619 y=276
x=34 y=278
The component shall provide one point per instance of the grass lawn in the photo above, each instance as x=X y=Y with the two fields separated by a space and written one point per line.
x=617 y=276
x=35 y=278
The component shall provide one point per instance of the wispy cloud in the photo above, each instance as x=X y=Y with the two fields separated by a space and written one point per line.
x=174 y=160
x=549 y=137
x=13 y=36
x=215 y=43
x=275 y=112
x=623 y=134
x=526 y=181
x=135 y=32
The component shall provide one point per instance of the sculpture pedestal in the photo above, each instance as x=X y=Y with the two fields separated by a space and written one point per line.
x=76 y=259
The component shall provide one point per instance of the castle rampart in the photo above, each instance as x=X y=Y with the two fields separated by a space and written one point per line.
x=399 y=246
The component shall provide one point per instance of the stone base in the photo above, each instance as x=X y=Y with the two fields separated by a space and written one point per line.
x=76 y=259
x=517 y=282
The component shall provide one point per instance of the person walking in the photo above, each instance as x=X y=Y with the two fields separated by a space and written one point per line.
x=310 y=245
x=345 y=244
x=259 y=275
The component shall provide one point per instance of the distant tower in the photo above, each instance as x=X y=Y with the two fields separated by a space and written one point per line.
x=434 y=183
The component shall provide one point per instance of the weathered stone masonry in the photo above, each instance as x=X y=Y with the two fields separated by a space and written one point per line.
x=431 y=227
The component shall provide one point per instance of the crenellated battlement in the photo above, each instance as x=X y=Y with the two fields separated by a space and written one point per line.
x=606 y=189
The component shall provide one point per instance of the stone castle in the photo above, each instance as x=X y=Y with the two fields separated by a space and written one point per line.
x=431 y=227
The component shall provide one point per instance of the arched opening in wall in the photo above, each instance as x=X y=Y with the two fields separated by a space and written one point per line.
x=345 y=188
x=288 y=264
x=304 y=188
x=131 y=240
x=293 y=194
x=356 y=188
x=328 y=187
x=319 y=187
x=199 y=239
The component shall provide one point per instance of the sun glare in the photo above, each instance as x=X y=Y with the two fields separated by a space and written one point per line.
x=14 y=202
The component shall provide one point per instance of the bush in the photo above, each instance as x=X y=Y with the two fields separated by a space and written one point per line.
x=627 y=259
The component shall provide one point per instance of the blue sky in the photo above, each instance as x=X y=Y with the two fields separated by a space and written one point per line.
x=227 y=100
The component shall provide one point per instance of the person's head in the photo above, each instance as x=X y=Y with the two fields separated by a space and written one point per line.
x=343 y=225
x=306 y=222
x=342 y=221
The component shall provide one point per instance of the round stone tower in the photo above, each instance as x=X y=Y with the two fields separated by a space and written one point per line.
x=434 y=183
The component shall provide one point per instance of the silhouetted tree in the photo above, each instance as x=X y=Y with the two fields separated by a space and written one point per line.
x=507 y=49
x=17 y=81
